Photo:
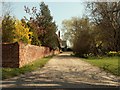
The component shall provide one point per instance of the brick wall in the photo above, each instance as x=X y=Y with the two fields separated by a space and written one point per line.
x=10 y=55
x=18 y=55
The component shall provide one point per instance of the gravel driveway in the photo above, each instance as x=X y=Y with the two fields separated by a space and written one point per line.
x=64 y=71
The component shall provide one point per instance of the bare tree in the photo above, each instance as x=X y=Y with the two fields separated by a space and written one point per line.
x=106 y=16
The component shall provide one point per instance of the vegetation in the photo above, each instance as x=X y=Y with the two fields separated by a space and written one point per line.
x=22 y=33
x=43 y=26
x=40 y=29
x=109 y=64
x=95 y=36
x=11 y=72
x=105 y=17
x=97 y=33
x=82 y=38
x=15 y=31
x=8 y=27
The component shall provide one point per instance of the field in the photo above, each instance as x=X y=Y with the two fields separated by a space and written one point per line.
x=109 y=64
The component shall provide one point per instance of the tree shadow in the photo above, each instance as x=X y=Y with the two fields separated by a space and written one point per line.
x=54 y=78
x=40 y=81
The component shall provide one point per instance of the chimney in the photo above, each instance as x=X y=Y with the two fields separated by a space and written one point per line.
x=59 y=34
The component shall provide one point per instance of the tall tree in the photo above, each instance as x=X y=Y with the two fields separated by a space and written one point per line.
x=8 y=22
x=69 y=28
x=77 y=30
x=106 y=16
x=8 y=27
x=45 y=26
x=82 y=38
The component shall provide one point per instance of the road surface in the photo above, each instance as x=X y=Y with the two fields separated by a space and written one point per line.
x=64 y=71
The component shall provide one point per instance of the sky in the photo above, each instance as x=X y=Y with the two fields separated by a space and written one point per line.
x=59 y=10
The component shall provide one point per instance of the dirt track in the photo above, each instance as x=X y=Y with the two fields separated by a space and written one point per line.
x=64 y=71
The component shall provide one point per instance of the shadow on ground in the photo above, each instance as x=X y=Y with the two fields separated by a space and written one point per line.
x=29 y=83
x=53 y=78
x=39 y=81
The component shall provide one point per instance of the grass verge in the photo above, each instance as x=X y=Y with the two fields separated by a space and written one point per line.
x=109 y=64
x=11 y=72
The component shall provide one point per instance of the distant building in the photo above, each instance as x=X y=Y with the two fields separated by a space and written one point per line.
x=63 y=43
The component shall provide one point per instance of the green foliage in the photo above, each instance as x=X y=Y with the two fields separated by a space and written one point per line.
x=81 y=44
x=8 y=27
x=39 y=30
x=51 y=38
x=109 y=64
x=97 y=35
x=14 y=30
x=82 y=35
x=48 y=36
x=11 y=72
x=35 y=40
x=81 y=38
x=43 y=26
x=105 y=16
x=69 y=28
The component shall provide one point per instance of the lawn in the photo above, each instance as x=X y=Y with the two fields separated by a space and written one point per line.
x=11 y=72
x=109 y=64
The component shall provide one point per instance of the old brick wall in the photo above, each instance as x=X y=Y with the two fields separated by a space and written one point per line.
x=18 y=55
x=29 y=53
x=10 y=55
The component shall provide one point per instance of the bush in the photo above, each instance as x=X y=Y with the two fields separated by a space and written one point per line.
x=15 y=31
x=22 y=33
x=113 y=53
x=81 y=45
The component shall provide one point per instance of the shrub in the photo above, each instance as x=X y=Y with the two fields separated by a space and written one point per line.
x=113 y=53
x=81 y=44
x=22 y=33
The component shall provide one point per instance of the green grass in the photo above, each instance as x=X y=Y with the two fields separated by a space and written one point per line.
x=109 y=64
x=11 y=72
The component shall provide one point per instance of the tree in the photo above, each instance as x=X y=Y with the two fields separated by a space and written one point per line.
x=82 y=38
x=69 y=28
x=14 y=30
x=33 y=28
x=22 y=33
x=48 y=27
x=78 y=32
x=105 y=16
x=8 y=26
x=45 y=27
